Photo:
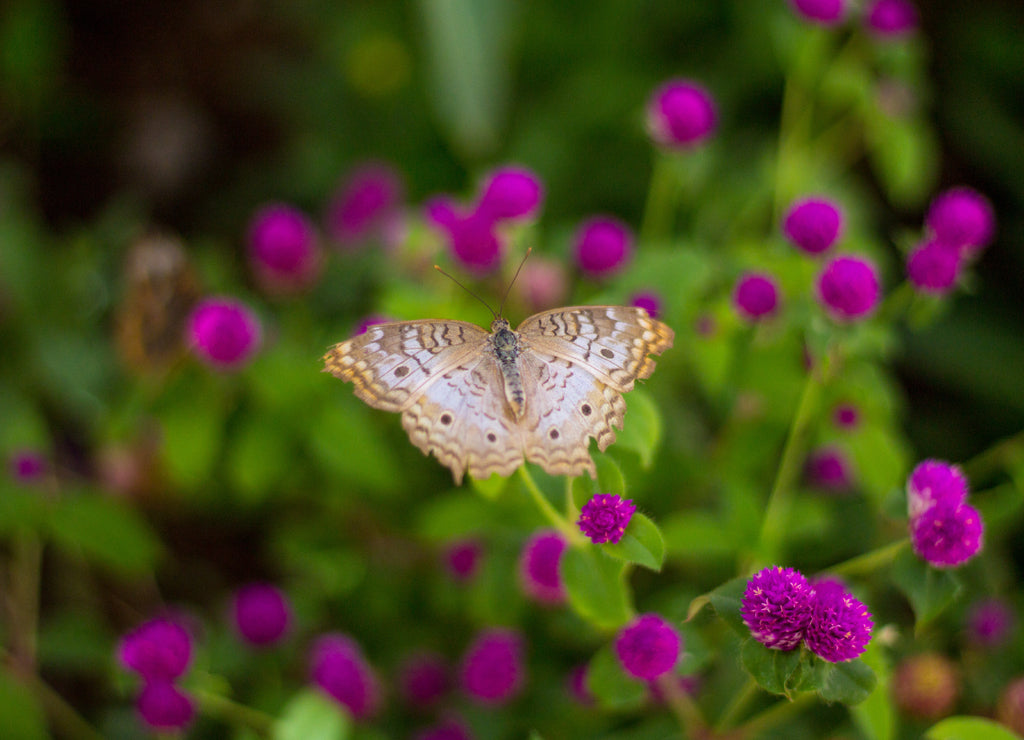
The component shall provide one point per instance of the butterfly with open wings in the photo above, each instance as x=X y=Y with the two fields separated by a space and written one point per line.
x=485 y=401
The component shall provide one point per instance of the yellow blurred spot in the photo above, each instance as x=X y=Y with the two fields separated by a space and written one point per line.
x=378 y=65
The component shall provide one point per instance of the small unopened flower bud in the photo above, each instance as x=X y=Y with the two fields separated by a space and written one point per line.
x=681 y=114
x=602 y=246
x=934 y=267
x=813 y=224
x=849 y=288
x=926 y=686
x=261 y=613
x=962 y=218
x=756 y=297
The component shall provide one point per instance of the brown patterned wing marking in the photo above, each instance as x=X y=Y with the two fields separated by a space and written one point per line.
x=391 y=364
x=464 y=421
x=612 y=342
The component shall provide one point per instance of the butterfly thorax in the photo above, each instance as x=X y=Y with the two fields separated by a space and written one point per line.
x=505 y=347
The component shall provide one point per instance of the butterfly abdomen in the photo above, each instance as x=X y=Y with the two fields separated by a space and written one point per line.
x=506 y=349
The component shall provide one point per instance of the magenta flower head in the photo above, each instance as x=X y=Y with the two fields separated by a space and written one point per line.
x=649 y=302
x=369 y=197
x=448 y=729
x=776 y=607
x=492 y=670
x=962 y=218
x=948 y=534
x=261 y=613
x=648 y=647
x=164 y=707
x=828 y=469
x=511 y=192
x=813 y=224
x=820 y=12
x=990 y=623
x=538 y=567
x=338 y=668
x=471 y=237
x=849 y=288
x=283 y=248
x=681 y=114
x=462 y=559
x=756 y=297
x=602 y=246
x=933 y=482
x=604 y=518
x=223 y=333
x=934 y=267
x=423 y=679
x=840 y=626
x=891 y=18
x=846 y=416
x=28 y=467
x=159 y=649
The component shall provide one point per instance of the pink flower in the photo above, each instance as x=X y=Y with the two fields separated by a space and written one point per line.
x=223 y=332
x=681 y=114
x=602 y=246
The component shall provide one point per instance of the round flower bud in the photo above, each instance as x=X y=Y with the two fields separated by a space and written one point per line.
x=283 y=248
x=492 y=670
x=159 y=649
x=990 y=623
x=423 y=679
x=849 y=288
x=947 y=535
x=511 y=192
x=891 y=18
x=820 y=12
x=223 y=333
x=681 y=114
x=813 y=224
x=538 y=567
x=604 y=518
x=648 y=647
x=934 y=267
x=462 y=559
x=828 y=469
x=338 y=668
x=164 y=707
x=926 y=686
x=756 y=297
x=1010 y=708
x=776 y=607
x=28 y=467
x=369 y=197
x=840 y=626
x=932 y=482
x=261 y=613
x=602 y=246
x=650 y=302
x=962 y=218
x=846 y=416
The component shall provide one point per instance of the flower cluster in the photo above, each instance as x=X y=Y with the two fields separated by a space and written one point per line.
x=782 y=609
x=159 y=651
x=604 y=517
x=884 y=19
x=945 y=530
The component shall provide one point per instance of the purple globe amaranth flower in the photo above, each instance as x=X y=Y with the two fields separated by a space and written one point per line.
x=849 y=288
x=159 y=649
x=471 y=236
x=462 y=559
x=648 y=647
x=650 y=302
x=492 y=670
x=846 y=416
x=371 y=320
x=338 y=667
x=840 y=626
x=934 y=267
x=948 y=534
x=1010 y=707
x=821 y=12
x=602 y=246
x=366 y=200
x=813 y=224
x=604 y=518
x=829 y=470
x=926 y=686
x=776 y=607
x=423 y=679
x=448 y=729
x=511 y=192
x=990 y=623
x=756 y=296
x=962 y=218
x=283 y=248
x=223 y=332
x=576 y=682
x=261 y=613
x=891 y=18
x=28 y=467
x=933 y=482
x=538 y=567
x=164 y=707
x=681 y=114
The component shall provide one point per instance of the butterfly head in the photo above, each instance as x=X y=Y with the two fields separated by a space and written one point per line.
x=502 y=336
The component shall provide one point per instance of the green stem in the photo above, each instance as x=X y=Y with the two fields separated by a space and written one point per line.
x=690 y=720
x=656 y=224
x=870 y=561
x=557 y=520
x=235 y=714
x=737 y=706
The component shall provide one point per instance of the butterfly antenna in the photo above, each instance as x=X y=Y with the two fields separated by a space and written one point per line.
x=436 y=267
x=509 y=288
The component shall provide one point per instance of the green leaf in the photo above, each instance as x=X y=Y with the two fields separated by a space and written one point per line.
x=969 y=728
x=848 y=683
x=20 y=714
x=310 y=715
x=727 y=600
x=609 y=480
x=596 y=586
x=453 y=515
x=641 y=431
x=775 y=671
x=697 y=535
x=611 y=686
x=489 y=488
x=928 y=589
x=350 y=445
x=191 y=427
x=106 y=532
x=903 y=153
x=876 y=716
x=641 y=544
x=258 y=456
